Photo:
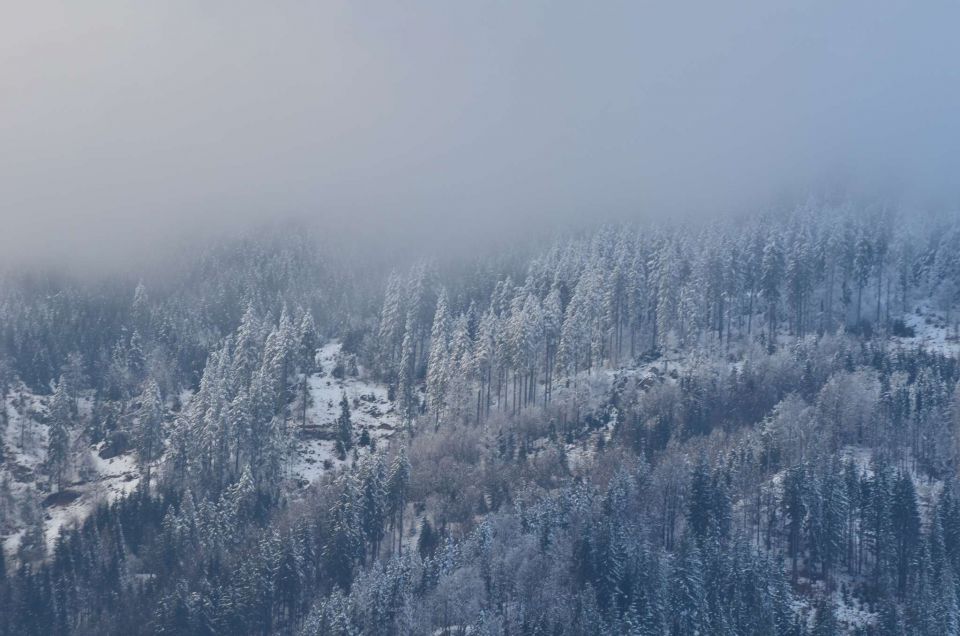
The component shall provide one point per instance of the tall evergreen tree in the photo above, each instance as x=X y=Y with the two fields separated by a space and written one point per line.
x=771 y=278
x=438 y=365
x=149 y=433
x=397 y=483
x=905 y=522
x=58 y=440
x=344 y=426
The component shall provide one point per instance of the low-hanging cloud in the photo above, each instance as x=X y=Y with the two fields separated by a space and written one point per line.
x=124 y=126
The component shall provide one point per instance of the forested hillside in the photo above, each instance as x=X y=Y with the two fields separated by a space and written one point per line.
x=741 y=426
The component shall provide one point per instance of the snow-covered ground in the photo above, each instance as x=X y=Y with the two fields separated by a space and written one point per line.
x=931 y=331
x=90 y=480
x=370 y=410
x=93 y=480
x=118 y=476
x=851 y=612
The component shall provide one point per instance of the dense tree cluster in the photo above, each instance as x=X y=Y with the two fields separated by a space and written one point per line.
x=621 y=294
x=654 y=430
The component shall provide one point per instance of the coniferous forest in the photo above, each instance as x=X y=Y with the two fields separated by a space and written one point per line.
x=748 y=427
x=479 y=318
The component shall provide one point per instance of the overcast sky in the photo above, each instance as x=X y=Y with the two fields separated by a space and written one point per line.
x=125 y=123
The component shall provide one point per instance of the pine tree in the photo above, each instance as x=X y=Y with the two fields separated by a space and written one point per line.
x=463 y=369
x=667 y=285
x=406 y=390
x=428 y=540
x=862 y=264
x=947 y=609
x=438 y=365
x=344 y=425
x=373 y=510
x=149 y=433
x=552 y=323
x=688 y=610
x=905 y=521
x=73 y=374
x=240 y=415
x=797 y=278
x=210 y=426
x=700 y=500
x=397 y=484
x=246 y=356
x=345 y=548
x=58 y=441
x=827 y=520
x=140 y=309
x=279 y=354
x=708 y=508
x=289 y=579
x=770 y=279
x=307 y=351
x=795 y=509
x=878 y=526
x=307 y=343
x=33 y=542
x=391 y=331
x=948 y=514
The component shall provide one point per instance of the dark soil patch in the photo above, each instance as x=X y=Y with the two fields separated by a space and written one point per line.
x=61 y=498
x=117 y=443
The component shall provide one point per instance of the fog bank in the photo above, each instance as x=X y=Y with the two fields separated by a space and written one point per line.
x=126 y=127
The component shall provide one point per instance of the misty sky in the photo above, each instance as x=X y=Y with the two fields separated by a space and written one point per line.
x=123 y=124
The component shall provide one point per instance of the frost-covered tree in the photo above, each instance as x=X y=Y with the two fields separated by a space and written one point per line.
x=58 y=437
x=398 y=483
x=150 y=427
x=771 y=269
x=407 y=400
x=438 y=365
x=344 y=427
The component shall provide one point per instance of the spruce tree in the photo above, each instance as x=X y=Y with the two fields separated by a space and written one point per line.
x=407 y=402
x=345 y=425
x=795 y=509
x=905 y=522
x=771 y=278
x=149 y=433
x=687 y=605
x=345 y=548
x=397 y=483
x=373 y=508
x=438 y=365
x=58 y=440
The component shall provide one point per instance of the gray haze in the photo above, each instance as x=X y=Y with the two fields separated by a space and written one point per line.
x=129 y=124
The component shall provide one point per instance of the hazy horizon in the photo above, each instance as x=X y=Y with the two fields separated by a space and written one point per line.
x=128 y=128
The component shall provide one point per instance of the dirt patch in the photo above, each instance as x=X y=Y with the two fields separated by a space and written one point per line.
x=116 y=444
x=312 y=431
x=61 y=498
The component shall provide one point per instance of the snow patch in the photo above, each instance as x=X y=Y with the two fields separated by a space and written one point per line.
x=931 y=331
x=370 y=410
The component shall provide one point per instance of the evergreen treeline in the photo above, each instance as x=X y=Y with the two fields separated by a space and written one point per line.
x=658 y=431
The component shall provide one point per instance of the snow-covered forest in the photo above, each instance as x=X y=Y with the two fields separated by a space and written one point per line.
x=731 y=427
x=426 y=318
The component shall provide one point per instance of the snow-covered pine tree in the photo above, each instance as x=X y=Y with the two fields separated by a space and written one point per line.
x=439 y=363
x=58 y=438
x=149 y=432
x=344 y=427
